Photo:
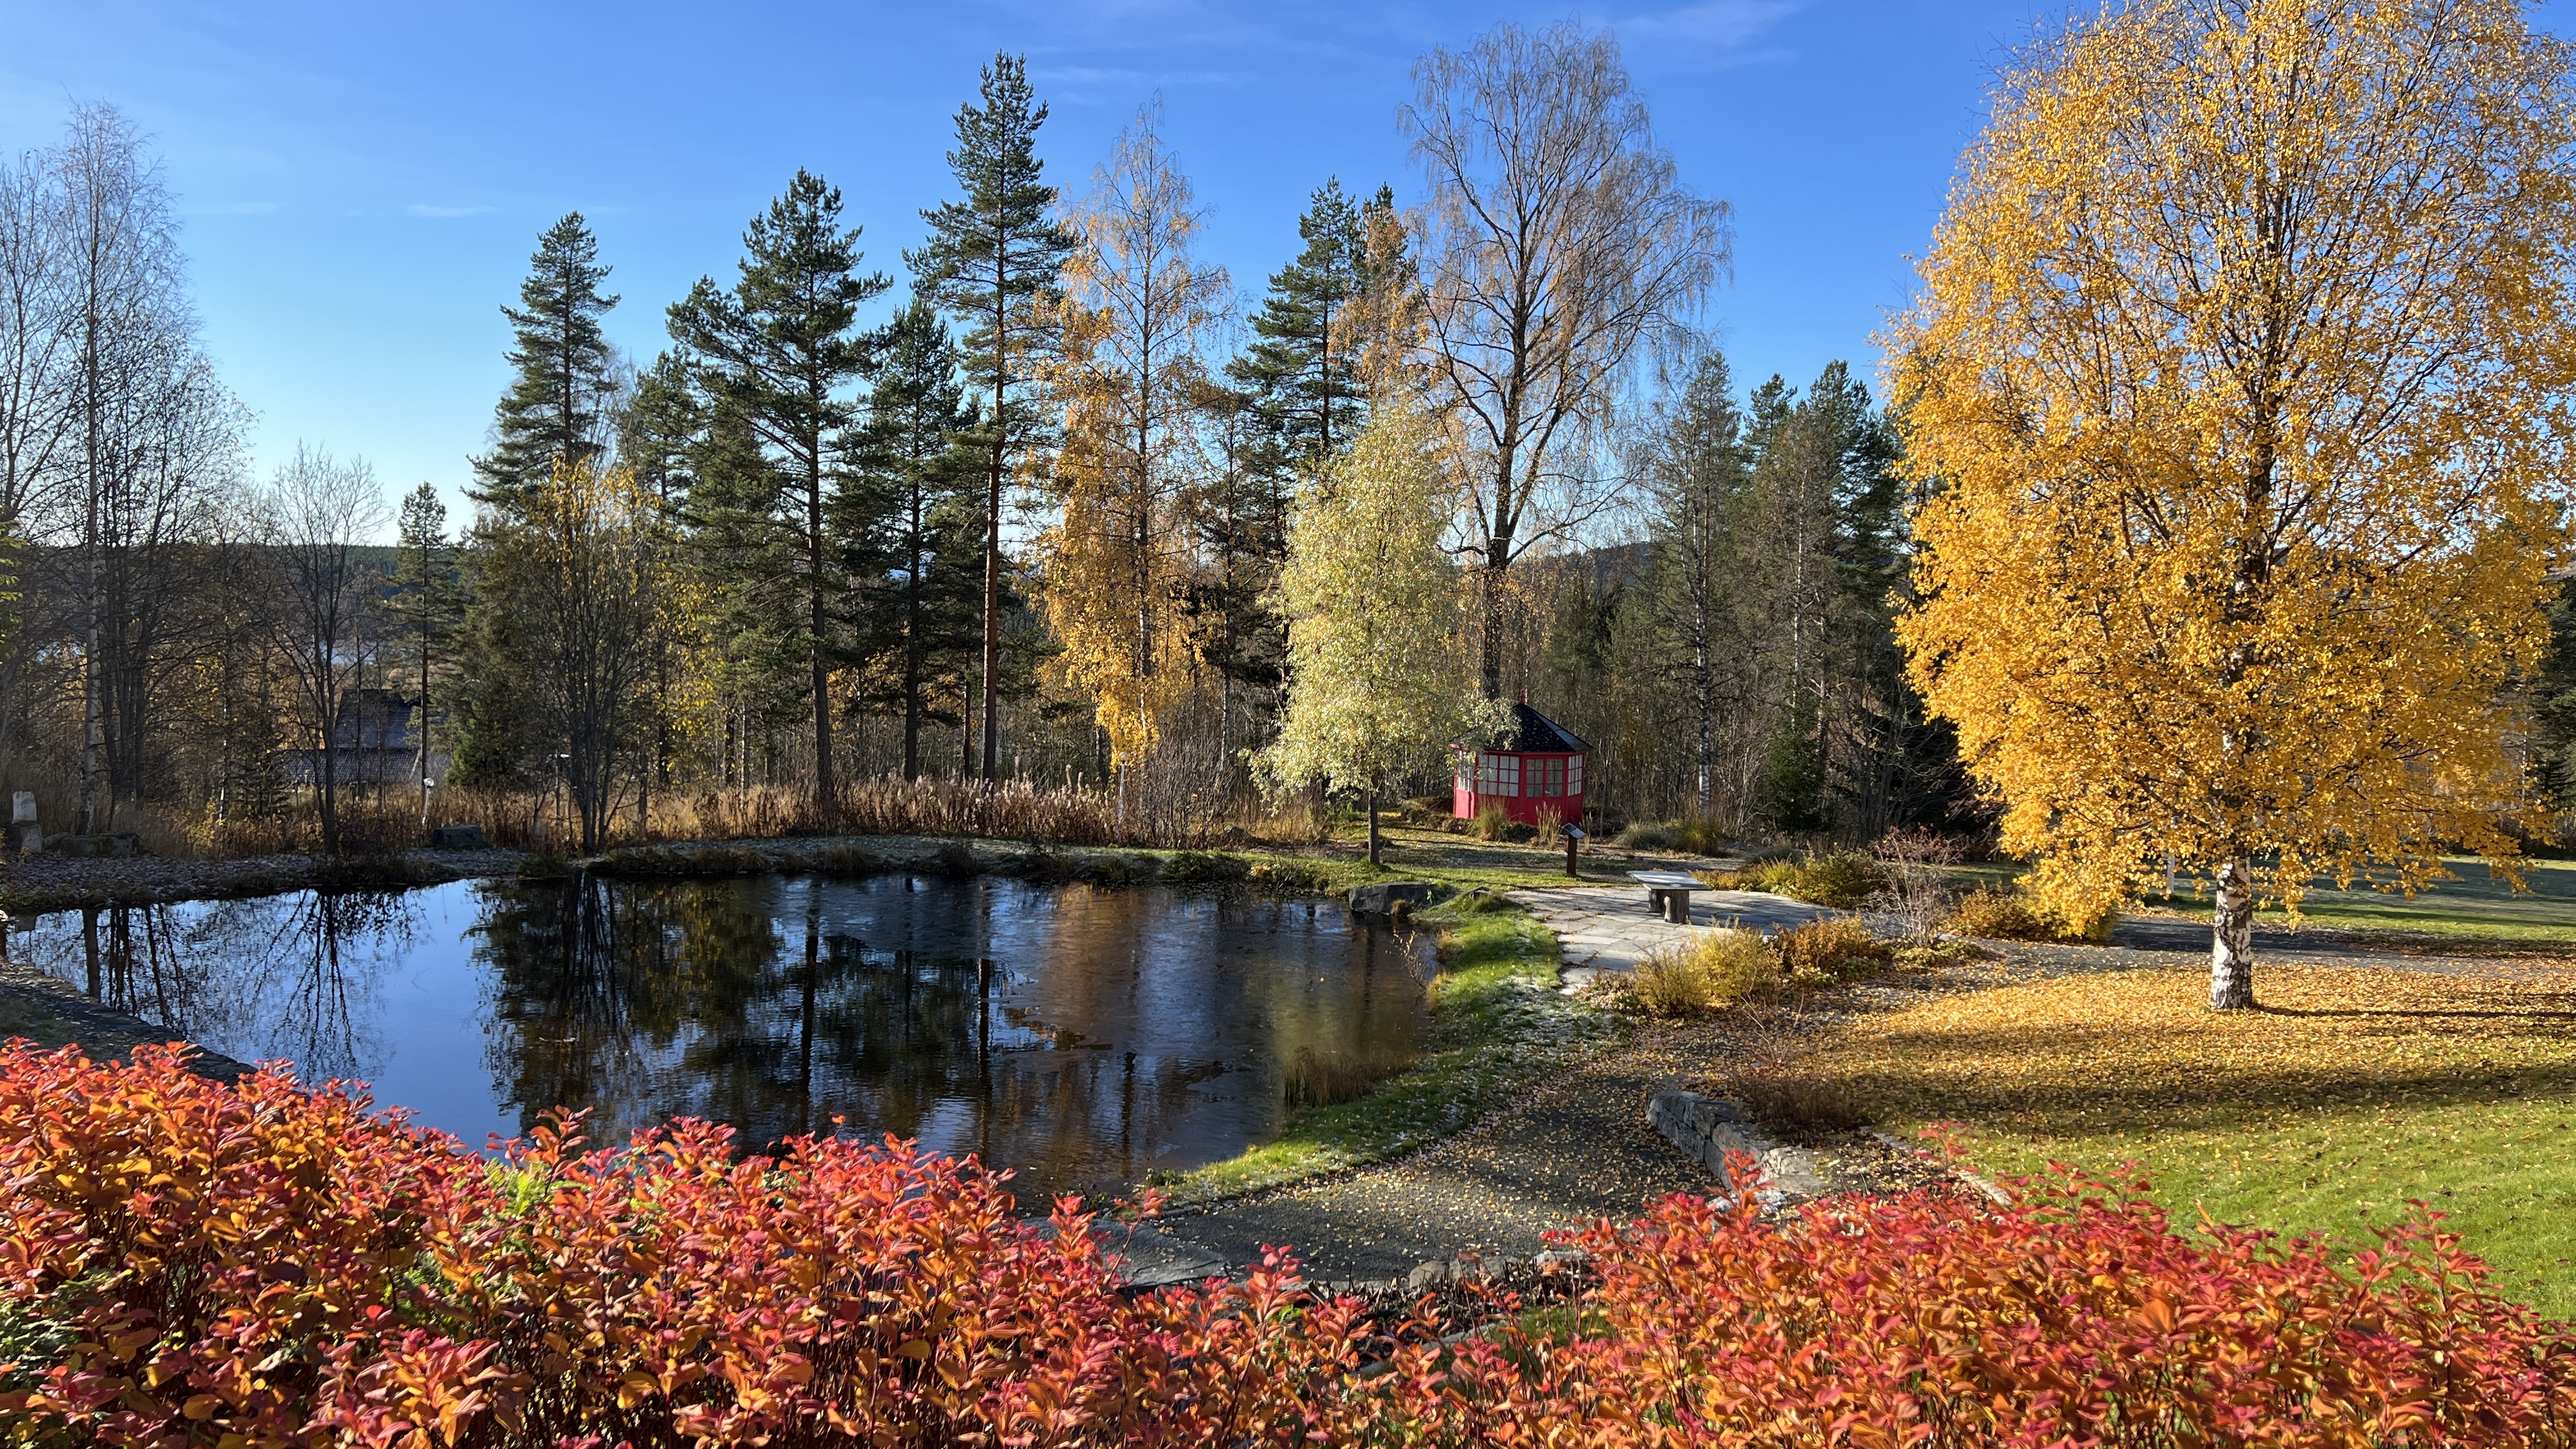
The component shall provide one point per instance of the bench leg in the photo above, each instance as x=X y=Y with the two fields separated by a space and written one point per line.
x=1677 y=907
x=1655 y=901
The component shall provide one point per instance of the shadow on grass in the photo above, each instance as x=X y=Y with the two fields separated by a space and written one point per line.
x=2137 y=1076
x=2568 y=1014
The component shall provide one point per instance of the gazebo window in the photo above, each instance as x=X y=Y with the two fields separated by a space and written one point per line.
x=1547 y=777
x=1498 y=774
x=1574 y=774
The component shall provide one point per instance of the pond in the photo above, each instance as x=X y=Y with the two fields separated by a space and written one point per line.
x=1076 y=1035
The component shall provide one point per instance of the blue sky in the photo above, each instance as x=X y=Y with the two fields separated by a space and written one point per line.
x=362 y=184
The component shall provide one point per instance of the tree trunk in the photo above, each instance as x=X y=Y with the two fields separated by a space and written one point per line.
x=1491 y=654
x=912 y=662
x=2231 y=955
x=1370 y=798
x=826 y=801
x=993 y=511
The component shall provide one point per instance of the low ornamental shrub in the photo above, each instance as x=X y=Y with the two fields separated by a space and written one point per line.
x=1708 y=971
x=2010 y=915
x=1799 y=1102
x=1830 y=949
x=2075 y=1317
x=183 y=1262
x=270 y=1266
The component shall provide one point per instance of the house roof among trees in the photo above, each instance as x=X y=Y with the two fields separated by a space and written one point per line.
x=1533 y=733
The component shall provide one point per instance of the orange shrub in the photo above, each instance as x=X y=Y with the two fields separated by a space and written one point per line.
x=183 y=1262
x=2075 y=1317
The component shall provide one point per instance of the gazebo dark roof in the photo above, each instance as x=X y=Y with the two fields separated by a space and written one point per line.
x=1533 y=733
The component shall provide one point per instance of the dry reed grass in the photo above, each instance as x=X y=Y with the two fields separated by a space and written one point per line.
x=377 y=820
x=1313 y=1079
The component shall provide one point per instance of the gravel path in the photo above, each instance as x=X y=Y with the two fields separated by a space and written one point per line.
x=1576 y=1150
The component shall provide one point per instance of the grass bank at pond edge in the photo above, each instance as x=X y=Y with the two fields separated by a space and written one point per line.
x=1499 y=1028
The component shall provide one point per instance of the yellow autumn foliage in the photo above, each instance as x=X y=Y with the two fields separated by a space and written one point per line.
x=1115 y=571
x=1379 y=673
x=2238 y=384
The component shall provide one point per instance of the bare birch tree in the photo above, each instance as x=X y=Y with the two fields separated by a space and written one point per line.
x=318 y=513
x=128 y=316
x=1557 y=245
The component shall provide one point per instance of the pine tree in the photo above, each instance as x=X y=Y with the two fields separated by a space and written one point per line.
x=915 y=483
x=993 y=261
x=558 y=405
x=1303 y=372
x=780 y=349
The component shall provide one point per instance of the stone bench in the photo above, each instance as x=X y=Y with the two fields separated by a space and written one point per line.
x=1668 y=892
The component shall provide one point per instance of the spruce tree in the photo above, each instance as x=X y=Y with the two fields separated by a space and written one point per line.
x=915 y=484
x=660 y=429
x=994 y=261
x=779 y=351
x=1696 y=476
x=557 y=407
x=428 y=608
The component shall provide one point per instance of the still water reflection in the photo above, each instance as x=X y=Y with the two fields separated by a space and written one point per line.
x=1078 y=1036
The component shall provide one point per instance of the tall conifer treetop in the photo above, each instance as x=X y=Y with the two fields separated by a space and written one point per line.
x=1303 y=370
x=778 y=353
x=993 y=260
x=558 y=402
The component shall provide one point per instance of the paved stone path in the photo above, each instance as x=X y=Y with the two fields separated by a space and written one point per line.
x=1607 y=928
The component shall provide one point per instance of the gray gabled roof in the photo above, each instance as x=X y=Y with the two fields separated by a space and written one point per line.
x=1532 y=733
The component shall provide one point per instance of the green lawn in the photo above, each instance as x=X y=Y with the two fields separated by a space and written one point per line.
x=2477 y=907
x=2352 y=1092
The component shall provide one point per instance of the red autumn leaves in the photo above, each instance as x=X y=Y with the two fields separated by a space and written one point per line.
x=183 y=1262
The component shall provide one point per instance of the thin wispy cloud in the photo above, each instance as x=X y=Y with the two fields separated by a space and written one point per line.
x=1720 y=25
x=1089 y=75
x=423 y=209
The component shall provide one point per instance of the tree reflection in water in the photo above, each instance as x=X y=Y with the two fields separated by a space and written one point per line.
x=1077 y=1036
x=289 y=977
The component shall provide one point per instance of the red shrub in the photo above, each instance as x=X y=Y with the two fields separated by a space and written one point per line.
x=285 y=1268
x=182 y=1262
x=2074 y=1318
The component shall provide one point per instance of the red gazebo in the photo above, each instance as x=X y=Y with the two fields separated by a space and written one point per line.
x=1537 y=767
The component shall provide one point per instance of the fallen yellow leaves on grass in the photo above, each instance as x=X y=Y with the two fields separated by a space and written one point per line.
x=2139 y=1050
x=2352 y=1092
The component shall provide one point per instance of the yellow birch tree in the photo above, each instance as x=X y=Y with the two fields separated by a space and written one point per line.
x=2239 y=383
x=1378 y=613
x=1114 y=573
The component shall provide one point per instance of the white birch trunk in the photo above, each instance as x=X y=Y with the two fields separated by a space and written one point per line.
x=2231 y=952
